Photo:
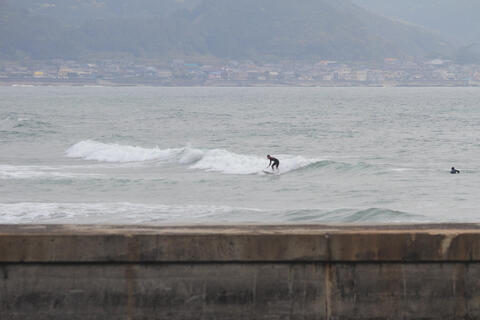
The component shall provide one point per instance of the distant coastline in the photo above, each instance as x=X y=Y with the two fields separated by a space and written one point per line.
x=390 y=72
x=322 y=84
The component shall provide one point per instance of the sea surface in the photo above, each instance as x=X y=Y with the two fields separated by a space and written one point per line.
x=141 y=155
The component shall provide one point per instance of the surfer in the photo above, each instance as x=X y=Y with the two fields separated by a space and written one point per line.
x=454 y=171
x=273 y=162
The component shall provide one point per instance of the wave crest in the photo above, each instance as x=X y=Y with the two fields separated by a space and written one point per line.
x=93 y=150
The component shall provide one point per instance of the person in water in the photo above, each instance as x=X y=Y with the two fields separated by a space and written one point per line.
x=273 y=162
x=454 y=171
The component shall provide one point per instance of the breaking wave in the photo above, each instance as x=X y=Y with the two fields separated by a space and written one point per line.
x=217 y=160
x=93 y=150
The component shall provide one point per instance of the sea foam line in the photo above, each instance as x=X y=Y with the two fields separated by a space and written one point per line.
x=40 y=172
x=116 y=212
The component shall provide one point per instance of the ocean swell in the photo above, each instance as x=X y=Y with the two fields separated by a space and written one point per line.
x=136 y=213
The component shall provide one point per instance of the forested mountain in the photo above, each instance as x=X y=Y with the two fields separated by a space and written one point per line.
x=231 y=29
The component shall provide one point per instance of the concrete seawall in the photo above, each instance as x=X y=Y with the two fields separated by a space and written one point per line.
x=240 y=272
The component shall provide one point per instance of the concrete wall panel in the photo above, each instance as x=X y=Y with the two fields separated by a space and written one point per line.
x=240 y=291
x=249 y=272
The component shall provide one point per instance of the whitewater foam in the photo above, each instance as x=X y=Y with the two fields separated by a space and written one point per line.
x=191 y=155
x=117 y=213
x=220 y=160
x=93 y=150
x=39 y=172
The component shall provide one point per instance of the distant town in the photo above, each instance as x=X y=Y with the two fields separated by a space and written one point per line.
x=322 y=73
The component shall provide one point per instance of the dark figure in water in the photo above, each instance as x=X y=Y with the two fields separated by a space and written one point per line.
x=454 y=171
x=273 y=162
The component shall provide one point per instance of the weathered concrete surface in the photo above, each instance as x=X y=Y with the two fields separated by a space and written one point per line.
x=249 y=272
x=79 y=243
x=240 y=291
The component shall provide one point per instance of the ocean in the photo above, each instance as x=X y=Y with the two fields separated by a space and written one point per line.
x=147 y=155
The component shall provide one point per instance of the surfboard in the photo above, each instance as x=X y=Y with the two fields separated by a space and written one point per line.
x=268 y=172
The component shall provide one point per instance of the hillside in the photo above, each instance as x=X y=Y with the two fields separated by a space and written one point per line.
x=248 y=29
x=309 y=28
x=458 y=20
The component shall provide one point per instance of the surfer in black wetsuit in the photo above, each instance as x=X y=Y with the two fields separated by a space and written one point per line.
x=273 y=162
x=454 y=171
